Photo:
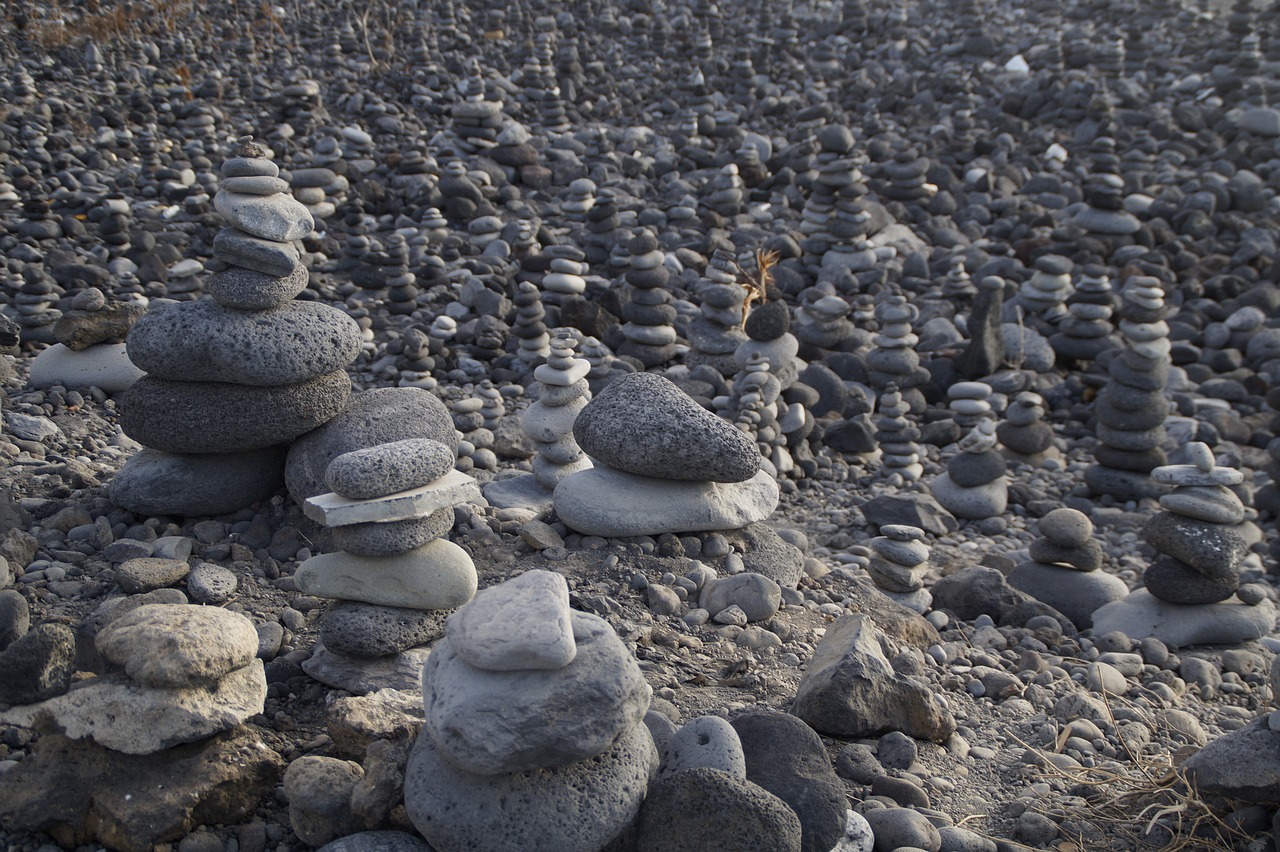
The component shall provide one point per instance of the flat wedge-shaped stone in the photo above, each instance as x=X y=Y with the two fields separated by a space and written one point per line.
x=333 y=510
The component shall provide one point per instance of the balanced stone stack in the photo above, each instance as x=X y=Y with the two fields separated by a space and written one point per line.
x=564 y=277
x=1103 y=216
x=402 y=289
x=476 y=121
x=833 y=216
x=532 y=340
x=958 y=285
x=534 y=734
x=1043 y=296
x=650 y=336
x=90 y=351
x=970 y=403
x=1086 y=332
x=234 y=378
x=1132 y=407
x=894 y=361
x=475 y=449
x=319 y=189
x=898 y=564
x=974 y=485
x=822 y=320
x=1196 y=533
x=725 y=193
x=897 y=437
x=717 y=332
x=1023 y=433
x=1064 y=568
x=394 y=574
x=662 y=463
x=177 y=673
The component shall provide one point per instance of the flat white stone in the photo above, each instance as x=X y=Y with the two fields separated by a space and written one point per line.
x=549 y=375
x=520 y=625
x=334 y=510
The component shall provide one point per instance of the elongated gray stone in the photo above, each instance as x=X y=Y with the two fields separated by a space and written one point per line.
x=269 y=217
x=388 y=468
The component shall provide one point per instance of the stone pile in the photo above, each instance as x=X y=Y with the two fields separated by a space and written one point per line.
x=662 y=463
x=532 y=340
x=822 y=320
x=1043 y=296
x=90 y=351
x=1023 y=434
x=1086 y=332
x=533 y=712
x=970 y=403
x=894 y=361
x=717 y=332
x=974 y=485
x=1131 y=407
x=897 y=437
x=232 y=379
x=899 y=561
x=1064 y=571
x=394 y=574
x=650 y=336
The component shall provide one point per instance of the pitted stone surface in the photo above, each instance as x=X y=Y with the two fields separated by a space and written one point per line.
x=387 y=468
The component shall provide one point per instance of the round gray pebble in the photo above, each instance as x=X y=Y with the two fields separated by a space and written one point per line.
x=211 y=584
x=709 y=742
x=389 y=468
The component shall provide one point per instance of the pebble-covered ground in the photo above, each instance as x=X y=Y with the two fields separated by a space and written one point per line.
x=1064 y=741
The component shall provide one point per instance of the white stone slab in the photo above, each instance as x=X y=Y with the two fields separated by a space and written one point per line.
x=334 y=510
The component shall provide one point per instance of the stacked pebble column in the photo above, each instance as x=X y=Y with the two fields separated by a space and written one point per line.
x=232 y=378
x=897 y=436
x=1086 y=332
x=395 y=576
x=899 y=563
x=716 y=334
x=1132 y=407
x=1200 y=549
x=894 y=360
x=1063 y=571
x=974 y=485
x=563 y=392
x=650 y=335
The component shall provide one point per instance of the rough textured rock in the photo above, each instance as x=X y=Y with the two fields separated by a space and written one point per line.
x=388 y=468
x=195 y=485
x=367 y=630
x=319 y=791
x=850 y=690
x=171 y=647
x=644 y=424
x=38 y=665
x=688 y=808
x=1243 y=764
x=520 y=625
x=78 y=792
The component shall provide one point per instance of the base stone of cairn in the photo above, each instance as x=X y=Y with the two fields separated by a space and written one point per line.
x=232 y=379
x=662 y=464
x=534 y=735
x=1193 y=593
x=395 y=576
x=1064 y=568
x=974 y=485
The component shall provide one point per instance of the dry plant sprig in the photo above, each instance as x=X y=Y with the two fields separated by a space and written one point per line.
x=1155 y=795
x=756 y=282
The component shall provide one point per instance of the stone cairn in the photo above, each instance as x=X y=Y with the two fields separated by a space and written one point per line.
x=970 y=403
x=897 y=437
x=974 y=485
x=233 y=378
x=650 y=336
x=564 y=276
x=1043 y=296
x=1023 y=434
x=532 y=711
x=1063 y=570
x=717 y=332
x=475 y=450
x=394 y=575
x=894 y=361
x=1200 y=547
x=899 y=560
x=90 y=350
x=822 y=320
x=1131 y=407
x=767 y=367
x=532 y=340
x=1086 y=332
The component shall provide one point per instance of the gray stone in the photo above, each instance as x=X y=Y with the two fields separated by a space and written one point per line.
x=38 y=665
x=177 y=646
x=765 y=552
x=688 y=809
x=203 y=341
x=247 y=290
x=607 y=502
x=1212 y=549
x=645 y=425
x=708 y=742
x=1066 y=527
x=106 y=366
x=902 y=828
x=1175 y=581
x=913 y=509
x=388 y=538
x=149 y=573
x=1076 y=594
x=212 y=584
x=372 y=417
x=850 y=690
x=1025 y=348
x=269 y=217
x=1215 y=504
x=1087 y=557
x=523 y=624
x=437 y=575
x=387 y=468
x=576 y=808
x=190 y=485
x=1142 y=615
x=971 y=469
x=757 y=596
x=786 y=757
x=377 y=841
x=319 y=792
x=975 y=503
x=1242 y=765
x=266 y=256
x=15 y=617
x=356 y=629
x=562 y=716
x=362 y=675
x=216 y=417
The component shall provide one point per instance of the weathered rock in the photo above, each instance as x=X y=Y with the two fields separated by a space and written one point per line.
x=685 y=810
x=319 y=792
x=171 y=647
x=196 y=485
x=520 y=625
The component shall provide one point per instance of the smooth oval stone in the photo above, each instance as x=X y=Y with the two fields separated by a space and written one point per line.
x=279 y=218
x=387 y=468
x=969 y=390
x=438 y=575
x=216 y=417
x=1212 y=549
x=645 y=425
x=249 y=167
x=190 y=485
x=1066 y=527
x=1084 y=557
x=239 y=248
x=909 y=553
x=971 y=469
x=1213 y=503
x=255 y=185
x=206 y=342
x=1190 y=475
x=1176 y=582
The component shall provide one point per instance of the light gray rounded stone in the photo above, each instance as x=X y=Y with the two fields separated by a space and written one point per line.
x=170 y=646
x=576 y=808
x=520 y=625
x=644 y=424
x=1066 y=527
x=709 y=742
x=388 y=468
x=206 y=342
x=756 y=595
x=560 y=717
x=279 y=217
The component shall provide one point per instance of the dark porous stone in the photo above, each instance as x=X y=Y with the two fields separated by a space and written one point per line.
x=971 y=469
x=368 y=630
x=1176 y=582
x=855 y=435
x=15 y=617
x=78 y=330
x=216 y=417
x=913 y=510
x=191 y=485
x=372 y=417
x=391 y=537
x=786 y=757
x=643 y=424
x=1140 y=462
x=1212 y=549
x=1086 y=557
x=768 y=321
x=1027 y=440
x=38 y=666
x=689 y=808
x=237 y=287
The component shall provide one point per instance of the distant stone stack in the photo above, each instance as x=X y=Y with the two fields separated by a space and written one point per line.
x=564 y=277
x=402 y=289
x=974 y=485
x=394 y=574
x=476 y=121
x=1063 y=571
x=725 y=193
x=897 y=437
x=823 y=227
x=650 y=336
x=563 y=393
x=1196 y=533
x=319 y=189
x=1131 y=408
x=716 y=334
x=894 y=361
x=530 y=331
x=233 y=379
x=822 y=319
x=90 y=350
x=900 y=558
x=1044 y=294
x=958 y=285
x=602 y=225
x=1087 y=331
x=475 y=449
x=970 y=403
x=533 y=711
x=1023 y=433
x=1104 y=216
